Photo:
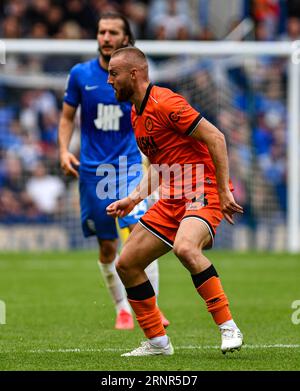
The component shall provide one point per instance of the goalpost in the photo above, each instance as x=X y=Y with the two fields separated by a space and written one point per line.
x=187 y=55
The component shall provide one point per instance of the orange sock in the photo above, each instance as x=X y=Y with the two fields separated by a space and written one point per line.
x=148 y=316
x=216 y=301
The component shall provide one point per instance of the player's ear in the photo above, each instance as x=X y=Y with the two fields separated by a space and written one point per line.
x=126 y=40
x=133 y=73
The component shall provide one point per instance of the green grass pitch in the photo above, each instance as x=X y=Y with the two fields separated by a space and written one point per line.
x=59 y=315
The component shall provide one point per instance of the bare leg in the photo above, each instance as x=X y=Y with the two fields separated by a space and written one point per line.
x=140 y=249
x=152 y=271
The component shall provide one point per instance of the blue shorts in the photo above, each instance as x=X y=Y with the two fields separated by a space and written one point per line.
x=94 y=219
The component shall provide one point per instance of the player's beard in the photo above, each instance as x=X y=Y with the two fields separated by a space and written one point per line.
x=124 y=94
x=106 y=57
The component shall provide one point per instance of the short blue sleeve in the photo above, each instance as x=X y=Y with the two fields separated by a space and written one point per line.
x=72 y=93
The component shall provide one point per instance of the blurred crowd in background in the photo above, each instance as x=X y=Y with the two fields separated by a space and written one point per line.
x=150 y=19
x=248 y=103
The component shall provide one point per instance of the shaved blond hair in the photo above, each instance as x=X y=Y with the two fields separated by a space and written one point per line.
x=132 y=58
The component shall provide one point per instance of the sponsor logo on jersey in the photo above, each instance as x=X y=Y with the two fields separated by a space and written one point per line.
x=108 y=117
x=147 y=145
x=175 y=116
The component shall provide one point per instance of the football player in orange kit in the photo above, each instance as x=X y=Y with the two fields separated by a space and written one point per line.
x=170 y=132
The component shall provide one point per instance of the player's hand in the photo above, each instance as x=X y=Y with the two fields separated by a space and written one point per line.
x=228 y=206
x=120 y=208
x=69 y=164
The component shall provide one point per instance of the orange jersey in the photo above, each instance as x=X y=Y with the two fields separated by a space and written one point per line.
x=163 y=127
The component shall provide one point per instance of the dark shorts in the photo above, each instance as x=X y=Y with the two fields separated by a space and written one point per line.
x=94 y=219
x=164 y=217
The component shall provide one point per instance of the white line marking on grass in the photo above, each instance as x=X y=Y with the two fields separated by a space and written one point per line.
x=187 y=347
x=285 y=346
x=71 y=350
x=41 y=264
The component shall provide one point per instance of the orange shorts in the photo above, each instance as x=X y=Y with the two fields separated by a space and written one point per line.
x=164 y=217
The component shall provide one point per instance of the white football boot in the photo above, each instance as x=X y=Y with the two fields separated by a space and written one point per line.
x=148 y=349
x=232 y=339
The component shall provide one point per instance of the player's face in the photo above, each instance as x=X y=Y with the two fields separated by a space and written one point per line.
x=110 y=36
x=120 y=79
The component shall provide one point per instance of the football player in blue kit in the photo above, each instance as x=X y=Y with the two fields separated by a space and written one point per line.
x=108 y=149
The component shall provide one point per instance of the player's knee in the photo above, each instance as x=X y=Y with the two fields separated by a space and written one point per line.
x=126 y=269
x=120 y=268
x=182 y=250
x=123 y=268
x=185 y=251
x=108 y=251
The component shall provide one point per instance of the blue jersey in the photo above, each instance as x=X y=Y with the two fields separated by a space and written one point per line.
x=106 y=131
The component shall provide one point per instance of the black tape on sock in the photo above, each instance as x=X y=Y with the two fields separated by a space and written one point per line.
x=200 y=278
x=140 y=292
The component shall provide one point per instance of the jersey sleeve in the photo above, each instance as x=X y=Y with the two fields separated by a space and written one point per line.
x=72 y=91
x=179 y=115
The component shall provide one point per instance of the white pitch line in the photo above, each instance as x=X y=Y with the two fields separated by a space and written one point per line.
x=285 y=346
x=187 y=347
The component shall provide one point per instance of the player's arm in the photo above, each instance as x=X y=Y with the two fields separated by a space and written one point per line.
x=65 y=131
x=147 y=186
x=207 y=133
